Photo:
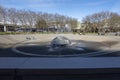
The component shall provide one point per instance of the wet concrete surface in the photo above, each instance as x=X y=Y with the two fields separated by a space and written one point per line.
x=42 y=49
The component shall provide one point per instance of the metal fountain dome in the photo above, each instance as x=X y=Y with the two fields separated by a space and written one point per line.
x=60 y=41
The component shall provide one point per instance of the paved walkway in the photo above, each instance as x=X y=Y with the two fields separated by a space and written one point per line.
x=6 y=40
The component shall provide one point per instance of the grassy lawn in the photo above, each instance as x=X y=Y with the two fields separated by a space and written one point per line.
x=7 y=33
x=14 y=33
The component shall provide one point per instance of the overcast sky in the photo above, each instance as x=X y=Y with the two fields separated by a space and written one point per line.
x=73 y=8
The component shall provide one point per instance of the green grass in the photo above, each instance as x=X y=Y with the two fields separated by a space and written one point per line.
x=8 y=33
x=91 y=33
x=14 y=33
x=4 y=33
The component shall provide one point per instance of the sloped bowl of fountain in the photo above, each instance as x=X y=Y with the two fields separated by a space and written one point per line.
x=59 y=46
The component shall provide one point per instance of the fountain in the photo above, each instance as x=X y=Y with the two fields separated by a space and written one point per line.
x=60 y=42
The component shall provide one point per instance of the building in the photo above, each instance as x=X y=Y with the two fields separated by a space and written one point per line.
x=6 y=28
x=78 y=28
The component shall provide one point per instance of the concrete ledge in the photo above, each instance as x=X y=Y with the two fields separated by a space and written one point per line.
x=72 y=65
x=60 y=63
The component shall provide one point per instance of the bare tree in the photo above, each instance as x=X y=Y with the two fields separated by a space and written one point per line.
x=3 y=15
x=30 y=19
x=114 y=22
x=12 y=17
x=97 y=21
x=22 y=18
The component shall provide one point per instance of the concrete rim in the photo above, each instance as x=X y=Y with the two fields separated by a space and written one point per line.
x=91 y=54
